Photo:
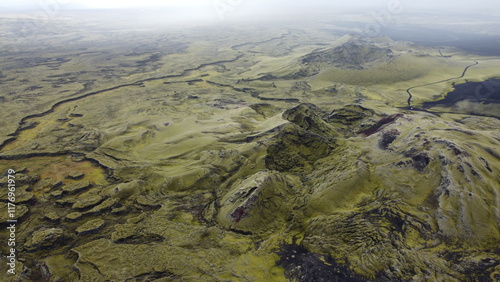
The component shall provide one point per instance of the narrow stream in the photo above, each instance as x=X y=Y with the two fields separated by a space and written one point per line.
x=441 y=81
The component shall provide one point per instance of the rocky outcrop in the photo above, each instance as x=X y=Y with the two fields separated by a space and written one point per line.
x=349 y=115
x=87 y=201
x=296 y=148
x=387 y=138
x=122 y=190
x=303 y=265
x=76 y=187
x=52 y=216
x=308 y=117
x=258 y=204
x=105 y=205
x=90 y=226
x=305 y=140
x=74 y=216
x=45 y=239
x=75 y=175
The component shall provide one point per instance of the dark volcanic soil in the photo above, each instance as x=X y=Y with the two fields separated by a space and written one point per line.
x=487 y=91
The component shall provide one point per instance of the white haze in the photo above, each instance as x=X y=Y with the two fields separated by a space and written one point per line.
x=224 y=12
x=242 y=7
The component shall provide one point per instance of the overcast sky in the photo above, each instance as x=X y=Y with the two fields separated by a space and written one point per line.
x=203 y=10
x=487 y=5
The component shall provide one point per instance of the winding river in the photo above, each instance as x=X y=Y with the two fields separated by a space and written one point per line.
x=410 y=96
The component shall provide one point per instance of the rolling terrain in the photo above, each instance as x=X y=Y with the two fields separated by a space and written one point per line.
x=279 y=152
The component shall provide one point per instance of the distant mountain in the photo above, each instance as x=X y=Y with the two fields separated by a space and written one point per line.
x=357 y=60
x=349 y=52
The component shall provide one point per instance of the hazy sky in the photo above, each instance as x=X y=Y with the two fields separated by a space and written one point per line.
x=201 y=10
x=487 y=5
